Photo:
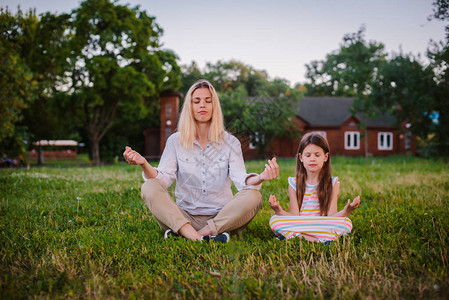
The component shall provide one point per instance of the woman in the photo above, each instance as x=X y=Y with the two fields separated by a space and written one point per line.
x=203 y=158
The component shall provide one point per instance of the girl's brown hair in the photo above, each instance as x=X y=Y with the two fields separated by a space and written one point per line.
x=324 y=188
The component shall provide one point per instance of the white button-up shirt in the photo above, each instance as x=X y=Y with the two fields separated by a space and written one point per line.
x=203 y=176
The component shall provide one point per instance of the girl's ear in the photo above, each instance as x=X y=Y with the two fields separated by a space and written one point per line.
x=326 y=156
x=300 y=156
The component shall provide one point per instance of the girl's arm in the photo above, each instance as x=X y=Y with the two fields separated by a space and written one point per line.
x=294 y=209
x=274 y=204
x=334 y=199
x=347 y=210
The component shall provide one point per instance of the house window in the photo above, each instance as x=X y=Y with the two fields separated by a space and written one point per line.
x=168 y=110
x=408 y=140
x=352 y=140
x=385 y=140
x=255 y=139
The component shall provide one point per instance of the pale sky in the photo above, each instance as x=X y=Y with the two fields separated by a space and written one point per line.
x=280 y=37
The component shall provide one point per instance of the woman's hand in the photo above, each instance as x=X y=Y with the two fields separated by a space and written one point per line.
x=274 y=204
x=132 y=157
x=271 y=170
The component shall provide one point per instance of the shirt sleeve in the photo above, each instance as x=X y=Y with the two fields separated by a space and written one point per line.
x=334 y=180
x=237 y=169
x=292 y=182
x=168 y=165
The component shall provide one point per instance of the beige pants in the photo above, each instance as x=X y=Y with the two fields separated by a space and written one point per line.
x=233 y=217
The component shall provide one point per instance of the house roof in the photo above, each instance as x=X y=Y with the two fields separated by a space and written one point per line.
x=333 y=111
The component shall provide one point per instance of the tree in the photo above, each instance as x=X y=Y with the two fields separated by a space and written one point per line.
x=118 y=67
x=190 y=74
x=45 y=50
x=16 y=91
x=270 y=118
x=16 y=81
x=263 y=117
x=253 y=105
x=228 y=76
x=16 y=94
x=349 y=71
x=40 y=44
x=441 y=12
x=406 y=89
x=440 y=62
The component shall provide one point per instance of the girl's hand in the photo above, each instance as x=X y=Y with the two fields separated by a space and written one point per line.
x=274 y=204
x=132 y=157
x=271 y=170
x=350 y=207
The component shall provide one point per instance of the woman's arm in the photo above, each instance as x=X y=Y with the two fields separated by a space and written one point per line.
x=271 y=172
x=134 y=158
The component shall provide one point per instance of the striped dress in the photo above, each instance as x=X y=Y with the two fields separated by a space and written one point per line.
x=309 y=221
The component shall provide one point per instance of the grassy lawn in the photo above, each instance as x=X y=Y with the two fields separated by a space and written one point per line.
x=81 y=160
x=71 y=232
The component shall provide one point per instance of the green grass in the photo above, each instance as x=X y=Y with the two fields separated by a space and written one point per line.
x=85 y=232
x=80 y=160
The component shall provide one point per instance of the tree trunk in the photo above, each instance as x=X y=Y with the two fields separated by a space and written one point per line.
x=94 y=142
x=98 y=125
x=95 y=149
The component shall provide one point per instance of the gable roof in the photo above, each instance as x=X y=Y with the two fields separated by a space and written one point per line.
x=333 y=111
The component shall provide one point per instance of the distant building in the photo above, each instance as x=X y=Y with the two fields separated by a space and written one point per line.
x=67 y=149
x=331 y=116
x=155 y=137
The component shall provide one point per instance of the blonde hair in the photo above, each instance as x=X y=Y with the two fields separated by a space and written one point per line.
x=187 y=127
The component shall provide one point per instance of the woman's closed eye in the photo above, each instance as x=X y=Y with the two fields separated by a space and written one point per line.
x=197 y=101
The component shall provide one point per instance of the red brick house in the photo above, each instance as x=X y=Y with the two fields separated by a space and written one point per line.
x=331 y=116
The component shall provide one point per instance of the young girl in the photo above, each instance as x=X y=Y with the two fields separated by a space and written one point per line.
x=313 y=197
